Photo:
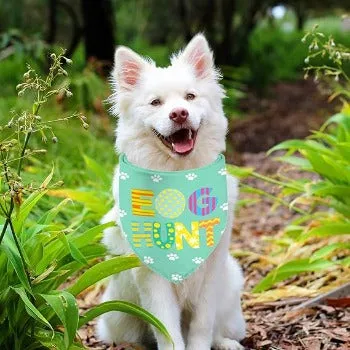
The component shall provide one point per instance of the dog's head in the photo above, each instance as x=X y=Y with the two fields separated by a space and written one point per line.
x=169 y=114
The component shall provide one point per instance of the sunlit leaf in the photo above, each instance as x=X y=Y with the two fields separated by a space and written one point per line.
x=102 y=270
x=128 y=308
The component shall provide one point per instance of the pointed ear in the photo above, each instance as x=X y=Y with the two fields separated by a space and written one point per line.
x=128 y=66
x=198 y=54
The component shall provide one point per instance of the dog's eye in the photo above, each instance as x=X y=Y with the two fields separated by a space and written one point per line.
x=190 y=97
x=156 y=102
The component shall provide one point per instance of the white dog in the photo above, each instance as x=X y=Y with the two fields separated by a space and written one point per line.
x=172 y=119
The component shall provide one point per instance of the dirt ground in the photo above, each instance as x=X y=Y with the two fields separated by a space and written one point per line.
x=290 y=111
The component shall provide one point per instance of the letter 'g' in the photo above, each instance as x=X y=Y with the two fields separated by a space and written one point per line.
x=206 y=205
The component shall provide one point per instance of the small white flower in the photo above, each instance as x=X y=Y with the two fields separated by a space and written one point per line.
x=172 y=257
x=122 y=213
x=123 y=176
x=191 y=176
x=197 y=260
x=176 y=277
x=156 y=178
x=222 y=171
x=224 y=206
x=148 y=260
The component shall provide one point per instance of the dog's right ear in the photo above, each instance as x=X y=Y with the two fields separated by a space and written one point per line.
x=128 y=66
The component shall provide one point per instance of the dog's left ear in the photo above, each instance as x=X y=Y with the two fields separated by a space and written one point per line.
x=198 y=54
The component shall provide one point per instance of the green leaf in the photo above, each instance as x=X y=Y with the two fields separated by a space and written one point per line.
x=49 y=216
x=26 y=208
x=98 y=169
x=327 y=250
x=31 y=309
x=51 y=340
x=328 y=189
x=66 y=308
x=89 y=198
x=89 y=236
x=126 y=307
x=239 y=171
x=8 y=246
x=289 y=269
x=301 y=145
x=327 y=230
x=296 y=161
x=72 y=249
x=103 y=270
x=338 y=118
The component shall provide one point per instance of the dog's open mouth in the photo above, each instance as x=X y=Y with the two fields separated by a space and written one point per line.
x=181 y=142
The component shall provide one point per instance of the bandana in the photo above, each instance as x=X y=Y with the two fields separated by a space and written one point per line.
x=173 y=220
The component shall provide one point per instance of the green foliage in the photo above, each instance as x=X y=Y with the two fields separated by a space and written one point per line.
x=277 y=54
x=326 y=154
x=274 y=55
x=318 y=240
x=45 y=242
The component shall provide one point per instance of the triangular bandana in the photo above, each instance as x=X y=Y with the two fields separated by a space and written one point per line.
x=173 y=220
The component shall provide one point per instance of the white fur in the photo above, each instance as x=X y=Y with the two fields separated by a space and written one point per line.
x=205 y=309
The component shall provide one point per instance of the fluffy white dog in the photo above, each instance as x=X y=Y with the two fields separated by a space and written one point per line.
x=172 y=119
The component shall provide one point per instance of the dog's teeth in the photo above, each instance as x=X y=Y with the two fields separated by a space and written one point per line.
x=190 y=134
x=172 y=145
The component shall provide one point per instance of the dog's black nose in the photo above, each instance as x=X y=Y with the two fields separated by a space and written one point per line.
x=178 y=115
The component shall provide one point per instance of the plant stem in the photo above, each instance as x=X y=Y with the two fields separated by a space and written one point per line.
x=4 y=228
x=276 y=182
x=20 y=251
x=19 y=168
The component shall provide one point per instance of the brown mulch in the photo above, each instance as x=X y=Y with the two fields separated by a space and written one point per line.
x=274 y=325
x=290 y=111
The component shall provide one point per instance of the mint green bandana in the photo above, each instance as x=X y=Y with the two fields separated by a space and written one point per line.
x=173 y=220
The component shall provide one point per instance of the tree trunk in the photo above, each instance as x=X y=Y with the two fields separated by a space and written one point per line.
x=301 y=15
x=51 y=33
x=241 y=40
x=183 y=16
x=98 y=17
x=224 y=55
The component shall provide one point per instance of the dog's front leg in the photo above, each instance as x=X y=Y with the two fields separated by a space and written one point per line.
x=158 y=297
x=201 y=327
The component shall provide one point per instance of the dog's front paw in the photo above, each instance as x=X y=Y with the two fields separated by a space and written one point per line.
x=227 y=344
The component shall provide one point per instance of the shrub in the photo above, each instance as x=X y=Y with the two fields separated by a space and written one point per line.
x=42 y=249
x=318 y=241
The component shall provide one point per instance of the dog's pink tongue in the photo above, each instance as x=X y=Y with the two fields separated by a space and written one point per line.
x=183 y=146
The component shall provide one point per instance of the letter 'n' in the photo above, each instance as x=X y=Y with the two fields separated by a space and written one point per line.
x=192 y=238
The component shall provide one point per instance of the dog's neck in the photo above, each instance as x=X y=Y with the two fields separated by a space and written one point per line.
x=160 y=160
